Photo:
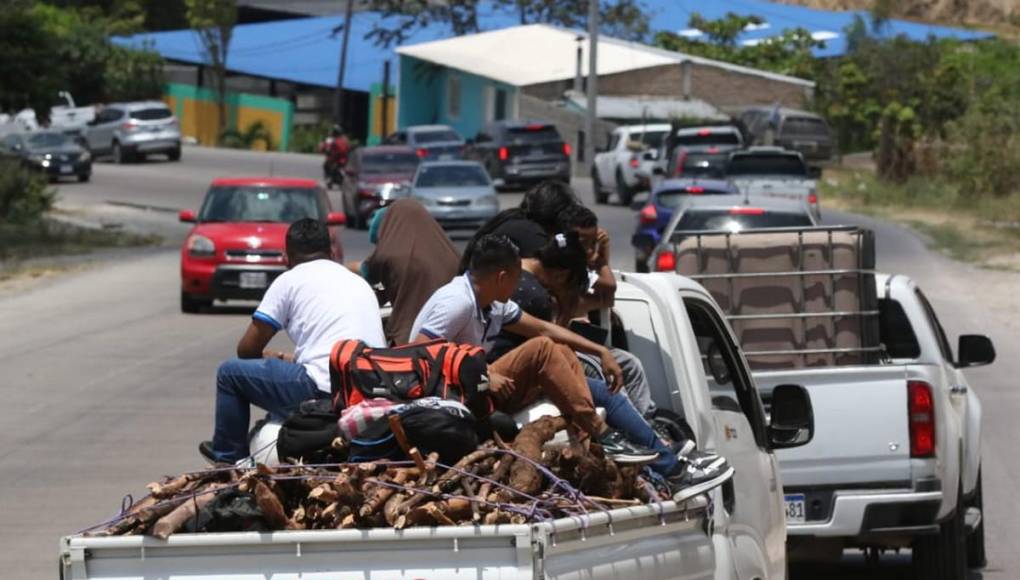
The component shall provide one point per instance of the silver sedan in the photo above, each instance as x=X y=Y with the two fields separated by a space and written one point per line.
x=458 y=194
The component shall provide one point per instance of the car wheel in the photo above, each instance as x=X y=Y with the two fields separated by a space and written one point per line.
x=622 y=191
x=976 y=557
x=174 y=154
x=943 y=556
x=601 y=196
x=119 y=155
x=84 y=177
x=192 y=305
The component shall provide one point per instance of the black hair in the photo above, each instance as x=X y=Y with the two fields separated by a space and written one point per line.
x=577 y=216
x=565 y=252
x=543 y=203
x=307 y=237
x=492 y=253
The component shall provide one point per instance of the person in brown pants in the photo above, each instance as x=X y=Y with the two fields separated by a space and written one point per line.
x=475 y=307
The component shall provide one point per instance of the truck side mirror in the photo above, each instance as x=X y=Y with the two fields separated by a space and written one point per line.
x=814 y=172
x=658 y=171
x=975 y=350
x=793 y=419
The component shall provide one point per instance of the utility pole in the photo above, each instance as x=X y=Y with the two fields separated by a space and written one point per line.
x=593 y=83
x=338 y=103
x=578 y=77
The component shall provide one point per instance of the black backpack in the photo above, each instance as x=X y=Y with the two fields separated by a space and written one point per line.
x=308 y=433
x=445 y=428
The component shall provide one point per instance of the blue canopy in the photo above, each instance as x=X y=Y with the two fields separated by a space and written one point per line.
x=306 y=50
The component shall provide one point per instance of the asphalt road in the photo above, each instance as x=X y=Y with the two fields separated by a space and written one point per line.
x=106 y=385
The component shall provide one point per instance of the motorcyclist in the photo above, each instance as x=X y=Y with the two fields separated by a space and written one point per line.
x=336 y=147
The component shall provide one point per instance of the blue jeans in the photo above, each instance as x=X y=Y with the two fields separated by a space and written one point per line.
x=272 y=384
x=622 y=416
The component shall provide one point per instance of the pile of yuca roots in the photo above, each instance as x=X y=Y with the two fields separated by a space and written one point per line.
x=527 y=481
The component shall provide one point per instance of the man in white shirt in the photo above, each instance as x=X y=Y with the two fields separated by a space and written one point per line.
x=318 y=302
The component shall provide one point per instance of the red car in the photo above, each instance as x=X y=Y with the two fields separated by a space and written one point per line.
x=236 y=248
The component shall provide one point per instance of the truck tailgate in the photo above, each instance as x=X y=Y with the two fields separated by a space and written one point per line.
x=861 y=431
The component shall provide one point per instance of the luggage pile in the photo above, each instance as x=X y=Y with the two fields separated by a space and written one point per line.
x=527 y=481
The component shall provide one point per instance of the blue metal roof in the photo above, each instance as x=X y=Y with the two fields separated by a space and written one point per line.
x=828 y=25
x=305 y=50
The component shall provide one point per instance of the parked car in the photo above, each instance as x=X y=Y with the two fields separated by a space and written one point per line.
x=801 y=131
x=373 y=177
x=68 y=117
x=616 y=168
x=774 y=172
x=729 y=213
x=129 y=131
x=735 y=530
x=519 y=153
x=237 y=246
x=458 y=194
x=50 y=152
x=430 y=142
x=656 y=215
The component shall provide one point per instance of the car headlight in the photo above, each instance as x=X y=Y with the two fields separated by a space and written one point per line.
x=201 y=247
x=487 y=201
x=38 y=158
x=84 y=156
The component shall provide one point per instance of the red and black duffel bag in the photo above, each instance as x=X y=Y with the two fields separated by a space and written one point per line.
x=406 y=373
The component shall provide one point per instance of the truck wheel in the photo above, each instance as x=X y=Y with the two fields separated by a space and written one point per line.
x=601 y=196
x=943 y=556
x=174 y=154
x=976 y=540
x=625 y=194
x=192 y=305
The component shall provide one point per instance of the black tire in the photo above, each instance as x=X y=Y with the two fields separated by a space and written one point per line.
x=601 y=196
x=84 y=177
x=192 y=305
x=943 y=556
x=625 y=194
x=976 y=557
x=119 y=155
x=174 y=154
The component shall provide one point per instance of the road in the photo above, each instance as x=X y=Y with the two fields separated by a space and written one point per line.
x=107 y=386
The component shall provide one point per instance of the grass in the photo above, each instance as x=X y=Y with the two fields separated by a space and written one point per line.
x=20 y=243
x=980 y=230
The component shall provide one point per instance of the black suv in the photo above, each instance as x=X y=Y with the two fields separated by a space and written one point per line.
x=519 y=153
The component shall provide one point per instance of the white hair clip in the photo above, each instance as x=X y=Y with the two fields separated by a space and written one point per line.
x=561 y=240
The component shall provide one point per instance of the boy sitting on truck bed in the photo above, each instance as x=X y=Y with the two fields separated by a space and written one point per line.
x=474 y=307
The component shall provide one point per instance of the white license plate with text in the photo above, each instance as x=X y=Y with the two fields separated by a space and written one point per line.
x=253 y=280
x=795 y=508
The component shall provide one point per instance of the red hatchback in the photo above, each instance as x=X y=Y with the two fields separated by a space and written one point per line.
x=236 y=248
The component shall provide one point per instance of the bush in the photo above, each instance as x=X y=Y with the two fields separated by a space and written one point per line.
x=988 y=163
x=306 y=138
x=24 y=195
x=247 y=139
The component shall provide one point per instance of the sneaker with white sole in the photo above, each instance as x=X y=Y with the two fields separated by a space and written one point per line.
x=698 y=475
x=619 y=449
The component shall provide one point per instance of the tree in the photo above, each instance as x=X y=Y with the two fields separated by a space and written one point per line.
x=214 y=22
x=402 y=18
x=31 y=81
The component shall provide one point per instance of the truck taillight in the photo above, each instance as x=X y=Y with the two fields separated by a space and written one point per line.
x=665 y=261
x=679 y=169
x=921 y=417
x=422 y=152
x=649 y=215
x=634 y=163
x=566 y=149
x=504 y=154
x=812 y=198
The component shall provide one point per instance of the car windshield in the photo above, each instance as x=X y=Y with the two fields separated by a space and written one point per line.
x=532 y=134
x=804 y=126
x=153 y=114
x=441 y=136
x=452 y=176
x=676 y=197
x=393 y=162
x=261 y=204
x=708 y=138
x=39 y=140
x=766 y=165
x=725 y=219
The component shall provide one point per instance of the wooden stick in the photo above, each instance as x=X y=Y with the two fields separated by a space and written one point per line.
x=175 y=520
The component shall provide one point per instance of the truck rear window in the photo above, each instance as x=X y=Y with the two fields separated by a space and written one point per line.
x=805 y=126
x=428 y=137
x=722 y=219
x=766 y=165
x=896 y=333
x=533 y=134
x=153 y=114
x=708 y=139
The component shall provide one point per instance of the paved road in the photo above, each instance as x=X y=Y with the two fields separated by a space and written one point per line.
x=107 y=386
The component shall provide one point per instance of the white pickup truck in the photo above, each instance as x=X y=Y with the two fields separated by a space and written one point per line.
x=736 y=531
x=896 y=457
x=774 y=172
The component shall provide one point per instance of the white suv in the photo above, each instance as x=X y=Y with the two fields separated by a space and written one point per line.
x=127 y=131
x=615 y=169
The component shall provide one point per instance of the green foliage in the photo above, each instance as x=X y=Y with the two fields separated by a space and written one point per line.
x=625 y=19
x=213 y=21
x=47 y=49
x=24 y=195
x=986 y=160
x=306 y=138
x=254 y=133
x=789 y=53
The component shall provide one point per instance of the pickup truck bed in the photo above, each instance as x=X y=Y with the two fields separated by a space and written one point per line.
x=636 y=542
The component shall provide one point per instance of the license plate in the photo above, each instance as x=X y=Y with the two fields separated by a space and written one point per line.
x=537 y=151
x=253 y=280
x=67 y=169
x=794 y=508
x=446 y=157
